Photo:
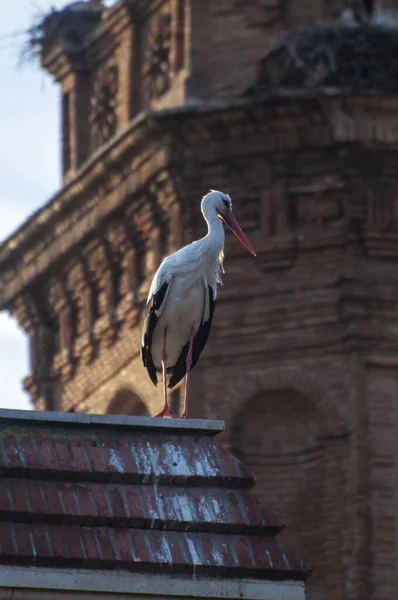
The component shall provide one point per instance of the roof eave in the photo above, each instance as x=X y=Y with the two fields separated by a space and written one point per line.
x=152 y=585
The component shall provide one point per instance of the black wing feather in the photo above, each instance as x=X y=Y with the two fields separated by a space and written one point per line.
x=199 y=342
x=147 y=332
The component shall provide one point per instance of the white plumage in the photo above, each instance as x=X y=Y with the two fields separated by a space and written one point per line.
x=182 y=298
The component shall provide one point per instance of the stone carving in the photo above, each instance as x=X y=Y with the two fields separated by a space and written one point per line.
x=103 y=117
x=157 y=65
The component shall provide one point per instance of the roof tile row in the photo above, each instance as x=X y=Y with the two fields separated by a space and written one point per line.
x=138 y=495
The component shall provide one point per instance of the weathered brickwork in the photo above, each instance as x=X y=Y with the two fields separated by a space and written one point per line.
x=302 y=360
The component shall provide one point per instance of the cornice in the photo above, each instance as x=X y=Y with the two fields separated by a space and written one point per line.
x=159 y=121
x=158 y=140
x=119 y=170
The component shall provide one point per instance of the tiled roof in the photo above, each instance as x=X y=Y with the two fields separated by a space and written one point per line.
x=132 y=493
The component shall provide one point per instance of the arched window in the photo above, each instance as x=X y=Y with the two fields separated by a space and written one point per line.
x=276 y=435
x=125 y=402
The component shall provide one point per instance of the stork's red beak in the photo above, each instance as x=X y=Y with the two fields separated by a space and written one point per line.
x=233 y=224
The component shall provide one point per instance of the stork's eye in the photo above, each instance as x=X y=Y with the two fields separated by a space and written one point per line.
x=226 y=203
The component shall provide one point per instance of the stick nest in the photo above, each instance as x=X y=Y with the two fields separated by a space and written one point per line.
x=69 y=27
x=352 y=57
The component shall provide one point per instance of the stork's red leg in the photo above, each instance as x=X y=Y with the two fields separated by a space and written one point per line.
x=188 y=364
x=166 y=412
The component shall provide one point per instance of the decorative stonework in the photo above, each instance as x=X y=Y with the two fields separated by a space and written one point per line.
x=60 y=304
x=81 y=293
x=157 y=66
x=295 y=313
x=276 y=224
x=102 y=275
x=120 y=240
x=77 y=286
x=25 y=311
x=42 y=343
x=103 y=114
x=318 y=209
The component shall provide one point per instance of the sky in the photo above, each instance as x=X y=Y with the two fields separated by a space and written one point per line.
x=29 y=164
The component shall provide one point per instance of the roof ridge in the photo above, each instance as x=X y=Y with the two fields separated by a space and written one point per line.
x=82 y=420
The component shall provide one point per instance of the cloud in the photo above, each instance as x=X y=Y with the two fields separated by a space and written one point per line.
x=13 y=364
x=12 y=216
x=9 y=329
x=29 y=165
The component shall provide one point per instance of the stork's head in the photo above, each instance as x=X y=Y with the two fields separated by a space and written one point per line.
x=222 y=204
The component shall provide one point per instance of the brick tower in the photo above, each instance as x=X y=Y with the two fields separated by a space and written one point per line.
x=162 y=100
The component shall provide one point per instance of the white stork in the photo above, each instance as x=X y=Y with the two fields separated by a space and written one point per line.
x=182 y=298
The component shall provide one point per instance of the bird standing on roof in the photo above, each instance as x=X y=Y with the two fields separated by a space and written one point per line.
x=182 y=298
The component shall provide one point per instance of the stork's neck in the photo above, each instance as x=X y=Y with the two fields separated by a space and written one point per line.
x=215 y=231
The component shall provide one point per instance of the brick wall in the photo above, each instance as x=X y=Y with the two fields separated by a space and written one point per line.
x=139 y=395
x=206 y=39
x=288 y=420
x=293 y=363
x=381 y=400
x=277 y=433
x=228 y=37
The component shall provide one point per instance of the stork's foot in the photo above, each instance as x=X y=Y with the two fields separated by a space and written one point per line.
x=167 y=413
x=184 y=415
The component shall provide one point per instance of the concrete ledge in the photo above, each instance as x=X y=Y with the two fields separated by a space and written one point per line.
x=19 y=581
x=32 y=417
